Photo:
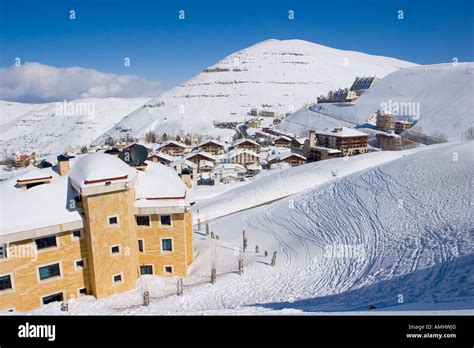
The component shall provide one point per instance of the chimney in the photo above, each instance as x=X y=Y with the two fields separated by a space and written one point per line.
x=312 y=138
x=63 y=164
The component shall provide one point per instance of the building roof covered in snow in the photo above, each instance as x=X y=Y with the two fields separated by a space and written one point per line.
x=342 y=132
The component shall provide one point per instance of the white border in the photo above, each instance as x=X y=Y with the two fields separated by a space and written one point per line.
x=115 y=254
x=113 y=225
x=121 y=281
x=161 y=245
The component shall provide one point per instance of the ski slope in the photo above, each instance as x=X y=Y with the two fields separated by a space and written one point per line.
x=442 y=93
x=407 y=230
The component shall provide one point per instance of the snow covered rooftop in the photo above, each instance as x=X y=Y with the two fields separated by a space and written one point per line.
x=173 y=142
x=202 y=153
x=342 y=132
x=240 y=151
x=33 y=173
x=97 y=168
x=165 y=156
x=229 y=166
x=159 y=182
x=38 y=207
x=211 y=141
x=244 y=140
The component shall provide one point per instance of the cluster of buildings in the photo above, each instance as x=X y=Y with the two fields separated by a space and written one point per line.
x=389 y=137
x=91 y=224
x=347 y=95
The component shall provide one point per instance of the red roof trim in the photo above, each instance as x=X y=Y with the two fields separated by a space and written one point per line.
x=86 y=182
x=26 y=180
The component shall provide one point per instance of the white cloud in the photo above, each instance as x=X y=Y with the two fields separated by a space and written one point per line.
x=36 y=83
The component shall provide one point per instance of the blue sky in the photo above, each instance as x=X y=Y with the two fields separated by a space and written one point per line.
x=162 y=47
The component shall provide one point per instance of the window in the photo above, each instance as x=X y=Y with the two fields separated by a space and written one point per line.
x=82 y=291
x=167 y=244
x=53 y=298
x=165 y=220
x=143 y=220
x=141 y=245
x=77 y=234
x=113 y=220
x=146 y=269
x=115 y=249
x=169 y=269
x=46 y=242
x=117 y=278
x=49 y=271
x=3 y=251
x=6 y=282
x=80 y=264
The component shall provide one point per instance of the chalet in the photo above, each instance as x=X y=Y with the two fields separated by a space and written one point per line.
x=247 y=144
x=213 y=147
x=92 y=231
x=24 y=160
x=243 y=157
x=385 y=121
x=174 y=148
x=254 y=169
x=297 y=143
x=267 y=113
x=229 y=169
x=293 y=159
x=390 y=142
x=401 y=126
x=231 y=178
x=283 y=141
x=254 y=123
x=254 y=112
x=347 y=140
x=187 y=170
x=197 y=156
x=205 y=166
x=161 y=157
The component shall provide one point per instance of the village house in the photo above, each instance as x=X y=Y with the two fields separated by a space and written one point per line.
x=243 y=157
x=283 y=141
x=254 y=112
x=389 y=142
x=247 y=144
x=385 y=121
x=293 y=159
x=348 y=140
x=24 y=160
x=223 y=170
x=253 y=169
x=205 y=166
x=213 y=147
x=161 y=157
x=198 y=156
x=254 y=123
x=93 y=229
x=401 y=126
x=187 y=170
x=173 y=148
x=267 y=113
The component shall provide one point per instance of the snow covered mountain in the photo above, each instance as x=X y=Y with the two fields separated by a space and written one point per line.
x=440 y=96
x=50 y=128
x=274 y=75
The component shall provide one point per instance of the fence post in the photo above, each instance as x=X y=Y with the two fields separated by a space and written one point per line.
x=213 y=276
x=266 y=253
x=64 y=306
x=244 y=241
x=241 y=266
x=212 y=235
x=207 y=229
x=179 y=290
x=146 y=298
x=274 y=258
x=257 y=250
x=199 y=224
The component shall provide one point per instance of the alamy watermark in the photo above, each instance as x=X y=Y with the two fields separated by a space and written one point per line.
x=401 y=108
x=66 y=108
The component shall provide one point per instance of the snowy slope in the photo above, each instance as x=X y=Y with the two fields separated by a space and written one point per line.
x=278 y=75
x=47 y=129
x=9 y=111
x=405 y=228
x=443 y=92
